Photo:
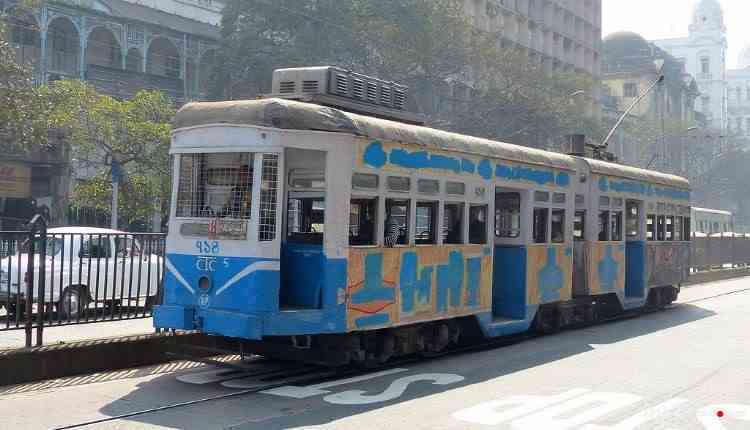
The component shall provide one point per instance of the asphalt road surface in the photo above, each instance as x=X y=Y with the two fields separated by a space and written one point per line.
x=685 y=368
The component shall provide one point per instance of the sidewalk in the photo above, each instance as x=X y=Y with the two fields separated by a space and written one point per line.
x=56 y=335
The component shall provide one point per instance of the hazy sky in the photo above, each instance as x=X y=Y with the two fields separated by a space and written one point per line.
x=661 y=19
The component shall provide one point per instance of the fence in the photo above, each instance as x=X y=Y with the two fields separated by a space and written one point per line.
x=66 y=276
x=720 y=251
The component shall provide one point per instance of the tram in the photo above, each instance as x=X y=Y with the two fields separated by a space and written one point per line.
x=316 y=233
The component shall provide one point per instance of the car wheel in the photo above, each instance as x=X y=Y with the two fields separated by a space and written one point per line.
x=72 y=303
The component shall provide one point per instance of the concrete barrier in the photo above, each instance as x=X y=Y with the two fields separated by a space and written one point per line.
x=79 y=358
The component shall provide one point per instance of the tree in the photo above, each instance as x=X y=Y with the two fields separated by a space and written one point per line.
x=23 y=122
x=101 y=130
x=429 y=45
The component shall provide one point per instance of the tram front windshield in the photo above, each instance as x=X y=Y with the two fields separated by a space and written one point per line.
x=215 y=186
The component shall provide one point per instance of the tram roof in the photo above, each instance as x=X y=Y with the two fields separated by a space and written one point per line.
x=293 y=115
x=634 y=173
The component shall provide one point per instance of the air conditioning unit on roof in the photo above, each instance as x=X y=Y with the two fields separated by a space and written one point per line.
x=345 y=90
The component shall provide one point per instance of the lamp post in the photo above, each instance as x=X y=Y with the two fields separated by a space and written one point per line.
x=659 y=63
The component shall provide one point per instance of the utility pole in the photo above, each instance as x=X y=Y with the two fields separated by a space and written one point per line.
x=116 y=176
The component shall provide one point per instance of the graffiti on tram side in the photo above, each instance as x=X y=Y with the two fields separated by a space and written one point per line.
x=376 y=155
x=607 y=267
x=607 y=185
x=405 y=285
x=549 y=274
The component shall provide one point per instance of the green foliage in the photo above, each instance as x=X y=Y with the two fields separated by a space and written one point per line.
x=23 y=122
x=134 y=132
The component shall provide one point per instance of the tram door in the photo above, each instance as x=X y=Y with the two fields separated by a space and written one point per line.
x=302 y=256
x=635 y=251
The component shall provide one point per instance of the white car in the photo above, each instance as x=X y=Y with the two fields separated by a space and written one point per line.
x=84 y=265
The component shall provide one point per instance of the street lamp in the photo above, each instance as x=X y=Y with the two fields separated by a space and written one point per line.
x=659 y=63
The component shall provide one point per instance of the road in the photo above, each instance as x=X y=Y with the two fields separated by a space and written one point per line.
x=677 y=369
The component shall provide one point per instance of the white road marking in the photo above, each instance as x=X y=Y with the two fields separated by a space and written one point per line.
x=488 y=413
x=589 y=406
x=297 y=392
x=642 y=417
x=394 y=391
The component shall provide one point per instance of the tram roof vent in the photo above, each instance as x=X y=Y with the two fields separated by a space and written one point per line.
x=346 y=90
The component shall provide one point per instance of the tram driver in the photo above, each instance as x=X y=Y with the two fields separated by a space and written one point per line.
x=240 y=197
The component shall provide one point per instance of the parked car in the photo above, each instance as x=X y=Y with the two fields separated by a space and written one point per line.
x=83 y=265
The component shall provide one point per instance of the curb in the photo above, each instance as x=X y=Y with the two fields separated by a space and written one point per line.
x=20 y=366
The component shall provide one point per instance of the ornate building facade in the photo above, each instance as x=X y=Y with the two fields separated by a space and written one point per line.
x=704 y=53
x=118 y=46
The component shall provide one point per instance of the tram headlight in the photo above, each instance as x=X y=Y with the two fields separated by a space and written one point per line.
x=204 y=284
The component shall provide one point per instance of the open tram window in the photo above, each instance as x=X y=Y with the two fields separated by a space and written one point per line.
x=651 y=227
x=396 y=222
x=616 y=218
x=306 y=219
x=362 y=221
x=453 y=223
x=669 y=228
x=661 y=221
x=215 y=185
x=579 y=226
x=603 y=226
x=558 y=226
x=478 y=225
x=425 y=220
x=632 y=220
x=508 y=215
x=541 y=220
x=686 y=229
x=678 y=229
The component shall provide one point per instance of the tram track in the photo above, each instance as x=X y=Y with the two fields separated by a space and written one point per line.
x=302 y=376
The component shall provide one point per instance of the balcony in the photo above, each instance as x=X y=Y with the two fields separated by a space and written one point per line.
x=124 y=84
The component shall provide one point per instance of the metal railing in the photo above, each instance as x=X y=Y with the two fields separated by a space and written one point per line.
x=66 y=277
x=719 y=251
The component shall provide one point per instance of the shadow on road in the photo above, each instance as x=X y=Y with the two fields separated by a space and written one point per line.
x=271 y=412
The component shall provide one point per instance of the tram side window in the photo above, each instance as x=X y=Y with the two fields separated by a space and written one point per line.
x=541 y=219
x=579 y=226
x=678 y=228
x=669 y=228
x=686 y=228
x=426 y=223
x=396 y=222
x=616 y=226
x=558 y=226
x=603 y=226
x=632 y=220
x=453 y=223
x=362 y=221
x=478 y=225
x=508 y=215
x=215 y=185
x=661 y=221
x=306 y=219
x=651 y=227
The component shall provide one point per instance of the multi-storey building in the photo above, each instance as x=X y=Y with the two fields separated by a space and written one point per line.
x=120 y=47
x=561 y=35
x=738 y=96
x=704 y=54
x=630 y=66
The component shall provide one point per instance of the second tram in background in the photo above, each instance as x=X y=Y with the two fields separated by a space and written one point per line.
x=325 y=235
x=711 y=221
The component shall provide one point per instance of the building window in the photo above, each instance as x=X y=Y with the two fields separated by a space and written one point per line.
x=630 y=89
x=705 y=66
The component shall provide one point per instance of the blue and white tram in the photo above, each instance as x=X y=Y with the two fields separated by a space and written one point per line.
x=344 y=237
